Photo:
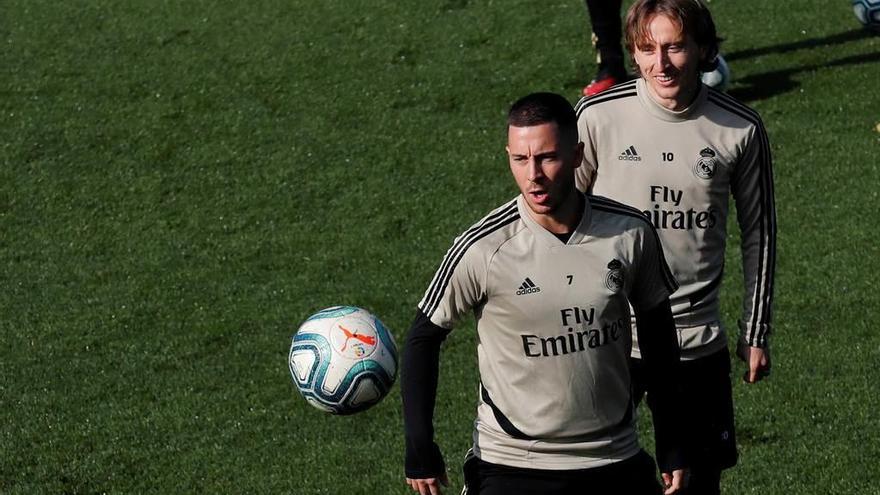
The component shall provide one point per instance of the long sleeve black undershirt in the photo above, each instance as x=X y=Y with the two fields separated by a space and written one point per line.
x=419 y=373
x=658 y=343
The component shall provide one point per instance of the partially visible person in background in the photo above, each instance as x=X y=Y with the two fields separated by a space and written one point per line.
x=606 y=36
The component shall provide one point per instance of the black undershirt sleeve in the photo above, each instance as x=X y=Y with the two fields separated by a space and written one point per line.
x=419 y=372
x=658 y=343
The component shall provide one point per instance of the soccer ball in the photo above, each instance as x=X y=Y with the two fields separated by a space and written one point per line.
x=343 y=360
x=720 y=77
x=868 y=12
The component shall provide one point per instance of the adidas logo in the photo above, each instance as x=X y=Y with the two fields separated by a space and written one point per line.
x=630 y=155
x=527 y=287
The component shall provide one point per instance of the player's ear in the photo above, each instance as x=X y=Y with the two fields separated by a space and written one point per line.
x=707 y=59
x=578 y=154
x=635 y=66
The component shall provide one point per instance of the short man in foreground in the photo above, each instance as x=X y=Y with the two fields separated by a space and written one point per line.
x=550 y=277
x=676 y=150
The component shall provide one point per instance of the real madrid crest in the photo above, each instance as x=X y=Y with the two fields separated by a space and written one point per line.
x=706 y=164
x=614 y=278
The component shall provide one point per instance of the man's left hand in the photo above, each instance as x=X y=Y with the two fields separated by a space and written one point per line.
x=675 y=482
x=758 y=360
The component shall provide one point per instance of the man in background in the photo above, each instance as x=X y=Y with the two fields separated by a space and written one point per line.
x=676 y=150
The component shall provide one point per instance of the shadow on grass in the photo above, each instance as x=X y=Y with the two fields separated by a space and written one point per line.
x=751 y=437
x=834 y=39
x=767 y=84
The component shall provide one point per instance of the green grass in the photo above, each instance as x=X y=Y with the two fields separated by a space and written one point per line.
x=182 y=183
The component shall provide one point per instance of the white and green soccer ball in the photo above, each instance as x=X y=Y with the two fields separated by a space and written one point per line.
x=343 y=360
x=718 y=78
x=868 y=13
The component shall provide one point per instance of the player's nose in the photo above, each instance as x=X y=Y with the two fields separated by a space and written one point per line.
x=662 y=58
x=535 y=171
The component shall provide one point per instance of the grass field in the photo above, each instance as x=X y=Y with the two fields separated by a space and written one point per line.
x=182 y=183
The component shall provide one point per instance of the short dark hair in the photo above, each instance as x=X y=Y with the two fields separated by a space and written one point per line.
x=545 y=108
x=692 y=17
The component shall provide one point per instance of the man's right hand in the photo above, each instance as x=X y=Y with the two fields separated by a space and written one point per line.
x=429 y=486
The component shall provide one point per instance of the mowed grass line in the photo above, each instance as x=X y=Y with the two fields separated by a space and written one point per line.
x=182 y=184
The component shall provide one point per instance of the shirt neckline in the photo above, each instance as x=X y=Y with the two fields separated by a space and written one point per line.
x=549 y=239
x=664 y=113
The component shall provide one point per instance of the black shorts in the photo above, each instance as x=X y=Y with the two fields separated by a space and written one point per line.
x=636 y=475
x=710 y=440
